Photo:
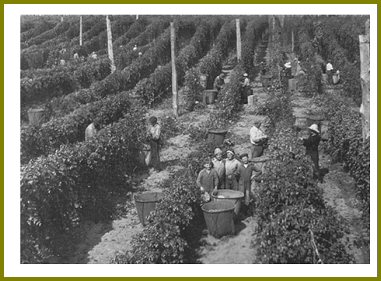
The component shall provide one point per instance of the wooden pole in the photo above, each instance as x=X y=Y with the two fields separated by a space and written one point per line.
x=80 y=31
x=292 y=40
x=365 y=81
x=61 y=18
x=109 y=45
x=238 y=31
x=175 y=100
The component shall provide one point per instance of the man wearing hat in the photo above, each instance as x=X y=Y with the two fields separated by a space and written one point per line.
x=231 y=168
x=312 y=146
x=219 y=82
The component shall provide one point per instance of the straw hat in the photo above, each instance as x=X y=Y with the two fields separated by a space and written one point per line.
x=245 y=75
x=314 y=128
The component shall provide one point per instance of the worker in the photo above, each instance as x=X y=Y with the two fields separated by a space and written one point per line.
x=247 y=172
x=207 y=180
x=219 y=166
x=62 y=62
x=312 y=147
x=94 y=55
x=76 y=57
x=287 y=69
x=263 y=68
x=219 y=82
x=258 y=140
x=135 y=48
x=231 y=168
x=246 y=89
x=336 y=77
x=140 y=54
x=91 y=130
x=329 y=70
x=153 y=136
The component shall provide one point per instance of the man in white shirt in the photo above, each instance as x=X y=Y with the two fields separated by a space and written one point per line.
x=257 y=139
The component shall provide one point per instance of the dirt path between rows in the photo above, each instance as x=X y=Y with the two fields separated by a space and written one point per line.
x=339 y=189
x=238 y=248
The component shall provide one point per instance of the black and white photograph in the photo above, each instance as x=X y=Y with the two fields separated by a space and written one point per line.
x=195 y=138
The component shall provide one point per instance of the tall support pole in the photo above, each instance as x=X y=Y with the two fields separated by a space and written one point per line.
x=292 y=40
x=175 y=99
x=365 y=81
x=238 y=30
x=61 y=18
x=80 y=31
x=109 y=45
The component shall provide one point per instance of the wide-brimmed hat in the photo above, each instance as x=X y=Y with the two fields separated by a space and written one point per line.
x=314 y=128
x=245 y=74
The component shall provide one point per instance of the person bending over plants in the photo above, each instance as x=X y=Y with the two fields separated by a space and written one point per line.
x=207 y=180
x=219 y=82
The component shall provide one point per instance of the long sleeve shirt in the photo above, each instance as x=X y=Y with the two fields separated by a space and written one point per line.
x=208 y=179
x=218 y=83
x=256 y=135
x=155 y=131
x=231 y=166
x=219 y=166
x=246 y=82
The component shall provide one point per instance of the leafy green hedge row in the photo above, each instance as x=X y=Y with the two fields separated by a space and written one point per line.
x=346 y=144
x=331 y=49
x=45 y=54
x=153 y=88
x=50 y=136
x=37 y=29
x=83 y=75
x=291 y=209
x=49 y=34
x=59 y=83
x=252 y=37
x=210 y=65
x=78 y=182
x=139 y=34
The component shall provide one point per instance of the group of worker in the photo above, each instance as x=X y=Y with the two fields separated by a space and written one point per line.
x=219 y=83
x=232 y=173
x=229 y=173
